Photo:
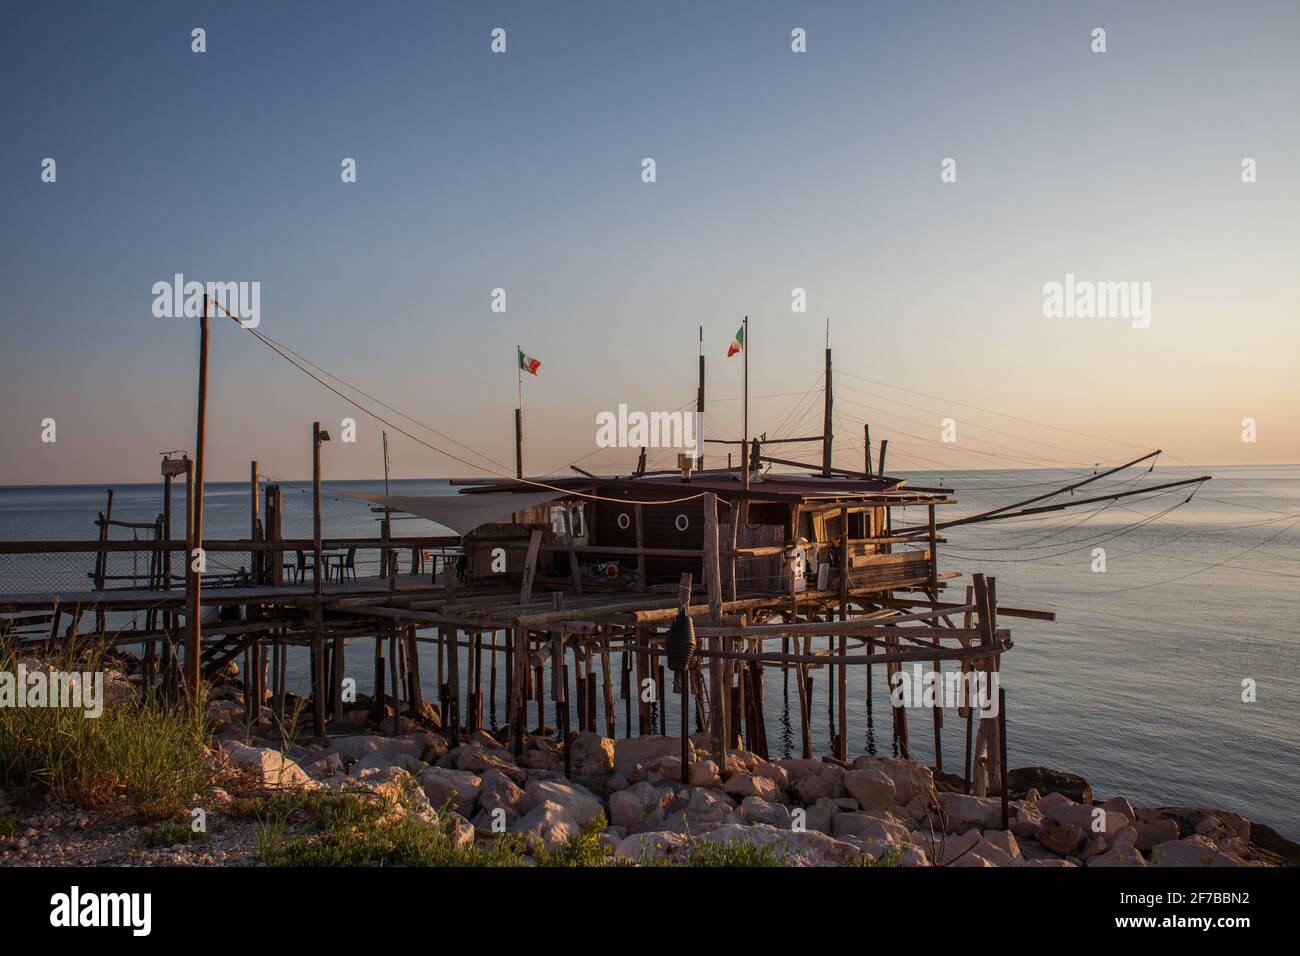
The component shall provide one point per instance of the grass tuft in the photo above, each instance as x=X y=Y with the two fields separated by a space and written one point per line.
x=152 y=754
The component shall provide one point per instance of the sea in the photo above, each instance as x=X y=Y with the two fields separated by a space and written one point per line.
x=1171 y=674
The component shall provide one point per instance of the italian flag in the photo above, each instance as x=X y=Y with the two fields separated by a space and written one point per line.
x=738 y=343
x=528 y=364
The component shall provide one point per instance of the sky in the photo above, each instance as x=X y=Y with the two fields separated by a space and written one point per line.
x=775 y=170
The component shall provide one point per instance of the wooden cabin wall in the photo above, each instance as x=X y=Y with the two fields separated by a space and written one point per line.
x=764 y=527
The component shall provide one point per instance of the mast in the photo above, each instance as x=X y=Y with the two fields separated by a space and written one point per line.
x=744 y=454
x=194 y=631
x=519 y=416
x=699 y=409
x=388 y=514
x=828 y=403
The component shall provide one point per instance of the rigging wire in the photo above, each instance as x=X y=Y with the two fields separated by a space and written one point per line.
x=568 y=492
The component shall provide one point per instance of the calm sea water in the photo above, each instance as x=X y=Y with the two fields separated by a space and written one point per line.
x=1137 y=686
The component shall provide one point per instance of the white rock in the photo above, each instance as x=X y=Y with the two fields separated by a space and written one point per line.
x=498 y=790
x=873 y=789
x=592 y=754
x=757 y=810
x=704 y=773
x=913 y=856
x=460 y=787
x=747 y=785
x=270 y=767
x=1121 y=806
x=650 y=846
x=549 y=823
x=951 y=848
x=630 y=751
x=911 y=779
x=964 y=811
x=381 y=761
x=578 y=802
x=640 y=807
x=808 y=848
x=1192 y=851
x=1118 y=856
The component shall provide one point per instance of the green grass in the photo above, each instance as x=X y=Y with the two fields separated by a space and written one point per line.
x=9 y=827
x=582 y=849
x=321 y=829
x=150 y=753
x=316 y=829
x=734 y=853
x=171 y=833
x=893 y=857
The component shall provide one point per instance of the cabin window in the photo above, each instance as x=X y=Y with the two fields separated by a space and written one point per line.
x=683 y=522
x=564 y=517
x=624 y=521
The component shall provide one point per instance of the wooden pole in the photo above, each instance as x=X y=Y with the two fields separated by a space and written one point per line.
x=699 y=405
x=842 y=748
x=718 y=696
x=530 y=566
x=745 y=406
x=318 y=639
x=640 y=544
x=518 y=692
x=254 y=524
x=414 y=697
x=828 y=403
x=560 y=693
x=519 y=442
x=194 y=636
x=1002 y=756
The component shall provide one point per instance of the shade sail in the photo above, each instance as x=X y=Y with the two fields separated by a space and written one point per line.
x=461 y=513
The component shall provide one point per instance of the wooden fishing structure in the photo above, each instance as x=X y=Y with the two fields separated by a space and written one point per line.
x=802 y=574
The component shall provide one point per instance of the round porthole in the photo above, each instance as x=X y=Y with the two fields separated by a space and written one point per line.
x=683 y=522
x=624 y=522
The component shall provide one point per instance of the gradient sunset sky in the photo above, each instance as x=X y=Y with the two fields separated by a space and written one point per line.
x=775 y=170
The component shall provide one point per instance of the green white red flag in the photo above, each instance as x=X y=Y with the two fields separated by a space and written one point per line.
x=528 y=364
x=738 y=343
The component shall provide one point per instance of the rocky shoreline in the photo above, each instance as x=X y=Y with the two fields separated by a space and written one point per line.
x=869 y=810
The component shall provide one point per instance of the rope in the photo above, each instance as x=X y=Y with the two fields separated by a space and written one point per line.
x=568 y=492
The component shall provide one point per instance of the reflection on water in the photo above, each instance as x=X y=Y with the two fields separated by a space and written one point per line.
x=787 y=730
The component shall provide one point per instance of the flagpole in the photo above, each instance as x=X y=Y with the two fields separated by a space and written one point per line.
x=519 y=414
x=744 y=452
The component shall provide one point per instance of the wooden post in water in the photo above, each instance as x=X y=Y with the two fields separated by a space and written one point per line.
x=519 y=694
x=414 y=697
x=451 y=637
x=842 y=750
x=684 y=675
x=1002 y=756
x=719 y=704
